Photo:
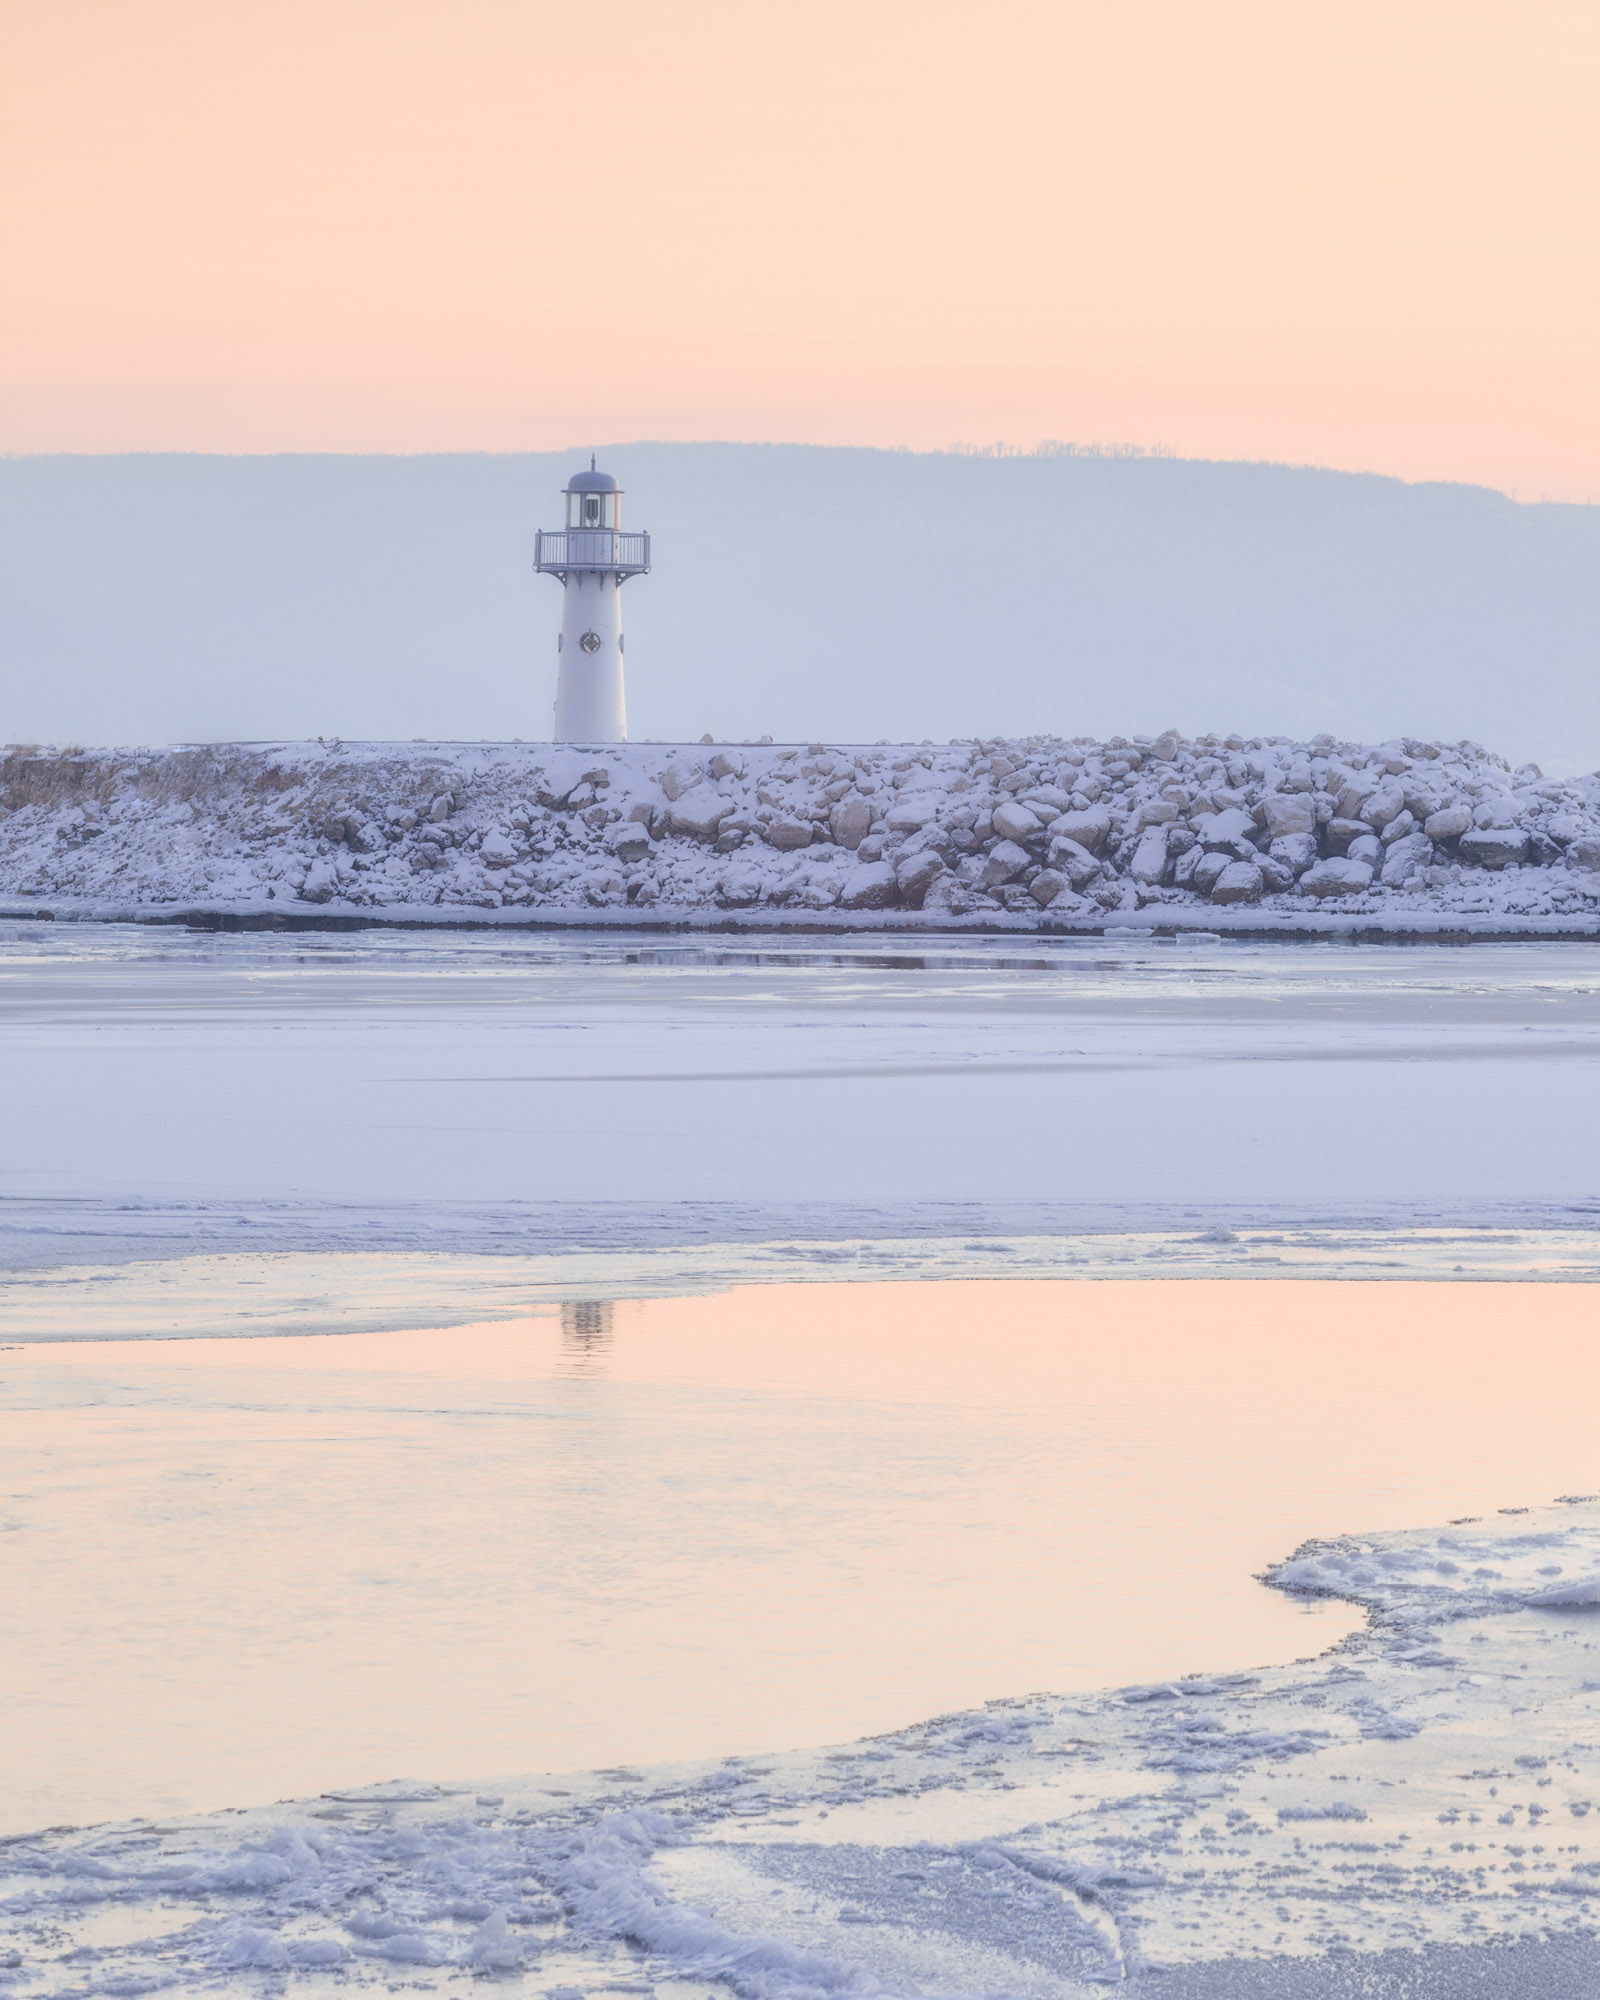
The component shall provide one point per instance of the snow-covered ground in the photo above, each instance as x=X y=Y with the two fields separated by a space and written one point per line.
x=1417 y=1813
x=1042 y=833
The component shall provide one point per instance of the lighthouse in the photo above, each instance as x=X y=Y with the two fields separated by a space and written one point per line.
x=594 y=559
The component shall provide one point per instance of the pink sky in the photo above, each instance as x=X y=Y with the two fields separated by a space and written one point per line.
x=1364 y=234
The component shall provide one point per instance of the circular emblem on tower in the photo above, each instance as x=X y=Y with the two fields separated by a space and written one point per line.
x=591 y=642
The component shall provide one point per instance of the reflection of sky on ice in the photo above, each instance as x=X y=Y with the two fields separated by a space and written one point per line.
x=778 y=1515
x=659 y=1491
x=1427 y=1798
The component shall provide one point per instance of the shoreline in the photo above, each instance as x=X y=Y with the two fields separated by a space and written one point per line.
x=1206 y=925
x=1261 y=837
x=1302 y=1831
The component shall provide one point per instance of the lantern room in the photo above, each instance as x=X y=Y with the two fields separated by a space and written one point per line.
x=594 y=500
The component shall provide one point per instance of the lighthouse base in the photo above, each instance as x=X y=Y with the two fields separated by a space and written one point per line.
x=590 y=703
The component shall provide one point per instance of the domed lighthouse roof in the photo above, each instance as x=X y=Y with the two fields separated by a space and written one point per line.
x=591 y=482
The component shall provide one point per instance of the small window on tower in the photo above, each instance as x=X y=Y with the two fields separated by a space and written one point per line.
x=591 y=510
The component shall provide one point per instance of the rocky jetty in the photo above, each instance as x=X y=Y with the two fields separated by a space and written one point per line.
x=1041 y=831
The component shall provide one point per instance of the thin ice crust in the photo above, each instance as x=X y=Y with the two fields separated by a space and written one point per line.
x=1415 y=1814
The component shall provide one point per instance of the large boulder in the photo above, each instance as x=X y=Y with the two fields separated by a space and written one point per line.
x=1275 y=877
x=911 y=815
x=677 y=779
x=917 y=875
x=1046 y=886
x=1494 y=846
x=788 y=833
x=1286 y=813
x=1075 y=862
x=321 y=884
x=1404 y=857
x=1091 y=829
x=699 y=812
x=1341 y=832
x=1154 y=812
x=499 y=852
x=1239 y=882
x=1006 y=861
x=1584 y=852
x=850 y=820
x=1353 y=795
x=1295 y=851
x=1338 y=877
x=1012 y=822
x=1385 y=805
x=1368 y=848
x=872 y=886
x=1449 y=822
x=1149 y=863
x=739 y=888
x=1209 y=869
x=1227 y=832
x=629 y=840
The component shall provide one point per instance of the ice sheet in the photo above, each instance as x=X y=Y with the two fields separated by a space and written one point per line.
x=1417 y=1813
x=170 y=1094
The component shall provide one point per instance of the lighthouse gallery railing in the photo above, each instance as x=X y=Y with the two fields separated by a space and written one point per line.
x=563 y=550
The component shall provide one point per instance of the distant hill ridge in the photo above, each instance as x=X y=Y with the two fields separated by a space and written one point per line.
x=797 y=590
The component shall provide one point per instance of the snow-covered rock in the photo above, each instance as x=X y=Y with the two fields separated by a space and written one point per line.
x=1295 y=851
x=1047 y=885
x=910 y=815
x=1231 y=831
x=1404 y=857
x=1006 y=862
x=1287 y=813
x=1494 y=846
x=1336 y=877
x=916 y=876
x=1149 y=863
x=1239 y=882
x=1037 y=831
x=1090 y=828
x=700 y=812
x=871 y=886
x=1012 y=822
x=850 y=820
x=1448 y=823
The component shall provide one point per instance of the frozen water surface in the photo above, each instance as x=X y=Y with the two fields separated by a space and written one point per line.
x=1417 y=1814
x=732 y=1517
x=173 y=1092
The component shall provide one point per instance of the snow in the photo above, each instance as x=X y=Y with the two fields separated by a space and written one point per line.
x=1416 y=1812
x=1402 y=837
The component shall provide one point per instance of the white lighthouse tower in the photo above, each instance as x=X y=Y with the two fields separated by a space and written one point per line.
x=593 y=558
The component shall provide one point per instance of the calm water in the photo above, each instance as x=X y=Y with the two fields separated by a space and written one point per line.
x=790 y=1514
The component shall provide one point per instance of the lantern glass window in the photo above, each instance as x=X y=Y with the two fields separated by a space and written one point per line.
x=591 y=510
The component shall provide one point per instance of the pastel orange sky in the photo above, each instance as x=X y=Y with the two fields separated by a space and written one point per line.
x=1362 y=234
